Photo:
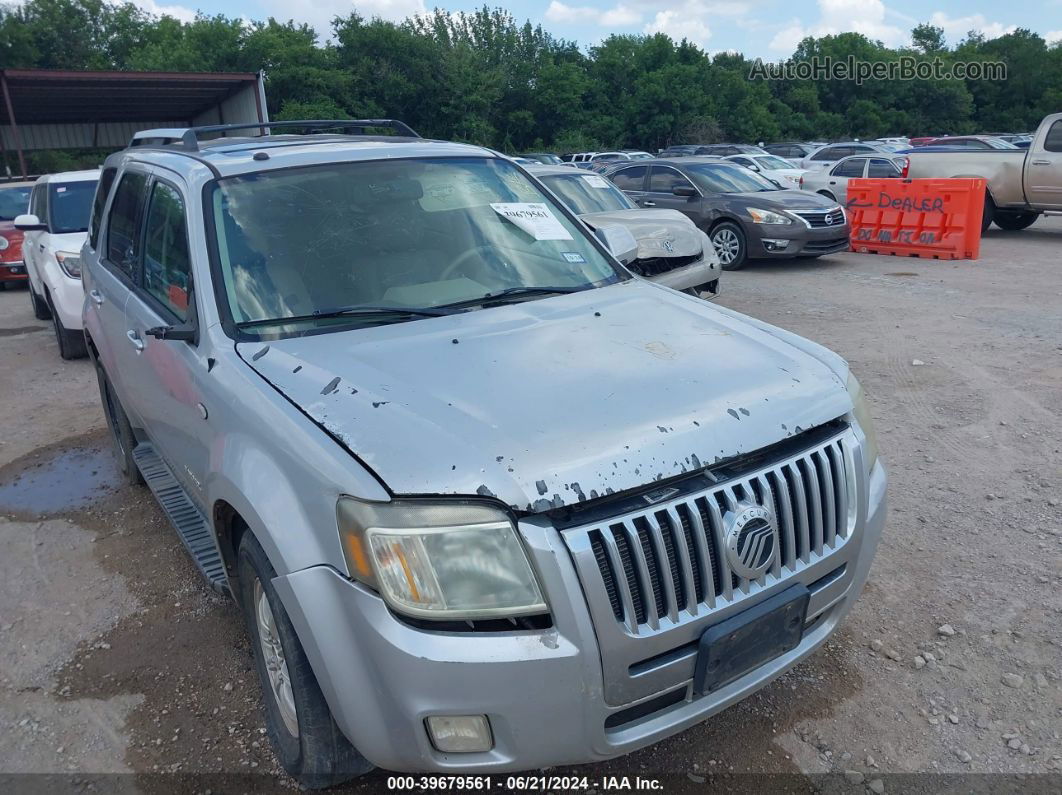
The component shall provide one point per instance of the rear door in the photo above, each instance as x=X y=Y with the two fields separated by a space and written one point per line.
x=164 y=384
x=113 y=278
x=662 y=182
x=1043 y=168
x=631 y=180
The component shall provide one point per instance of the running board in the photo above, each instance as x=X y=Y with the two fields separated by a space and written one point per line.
x=191 y=525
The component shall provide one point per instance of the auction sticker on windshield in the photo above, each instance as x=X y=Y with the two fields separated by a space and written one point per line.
x=534 y=218
x=594 y=181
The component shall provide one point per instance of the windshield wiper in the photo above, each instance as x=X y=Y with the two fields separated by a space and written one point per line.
x=514 y=293
x=345 y=311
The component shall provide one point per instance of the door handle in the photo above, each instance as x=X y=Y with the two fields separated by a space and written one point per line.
x=40 y=246
x=138 y=344
x=1041 y=162
x=648 y=204
x=96 y=296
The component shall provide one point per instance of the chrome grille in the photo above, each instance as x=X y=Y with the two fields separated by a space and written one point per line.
x=817 y=218
x=668 y=562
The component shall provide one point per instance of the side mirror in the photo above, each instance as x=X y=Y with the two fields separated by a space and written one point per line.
x=620 y=241
x=753 y=167
x=30 y=223
x=684 y=190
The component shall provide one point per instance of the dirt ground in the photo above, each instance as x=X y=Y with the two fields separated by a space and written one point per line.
x=115 y=658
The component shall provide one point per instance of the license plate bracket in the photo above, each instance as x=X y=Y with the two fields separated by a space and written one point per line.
x=747 y=640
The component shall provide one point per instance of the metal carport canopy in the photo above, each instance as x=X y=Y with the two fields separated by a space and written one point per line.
x=53 y=109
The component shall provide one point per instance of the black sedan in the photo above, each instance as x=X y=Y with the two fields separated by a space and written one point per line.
x=745 y=215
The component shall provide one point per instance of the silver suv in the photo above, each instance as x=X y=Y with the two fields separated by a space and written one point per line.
x=487 y=502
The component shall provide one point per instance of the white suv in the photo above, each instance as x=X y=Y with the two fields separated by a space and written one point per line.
x=54 y=232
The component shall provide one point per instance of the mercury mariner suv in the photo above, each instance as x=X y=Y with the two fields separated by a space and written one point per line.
x=488 y=501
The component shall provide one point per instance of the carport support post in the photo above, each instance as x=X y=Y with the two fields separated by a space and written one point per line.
x=14 y=125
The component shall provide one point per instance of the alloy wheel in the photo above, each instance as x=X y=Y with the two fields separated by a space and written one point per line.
x=275 y=664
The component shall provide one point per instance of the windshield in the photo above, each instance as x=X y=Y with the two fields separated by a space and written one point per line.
x=69 y=204
x=14 y=202
x=772 y=163
x=999 y=143
x=422 y=233
x=588 y=193
x=726 y=178
x=640 y=156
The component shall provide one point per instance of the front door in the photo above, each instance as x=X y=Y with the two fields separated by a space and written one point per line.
x=660 y=193
x=164 y=384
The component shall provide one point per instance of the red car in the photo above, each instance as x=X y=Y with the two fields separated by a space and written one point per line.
x=14 y=200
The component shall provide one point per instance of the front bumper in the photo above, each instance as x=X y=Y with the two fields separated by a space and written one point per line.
x=13 y=271
x=695 y=274
x=543 y=691
x=802 y=240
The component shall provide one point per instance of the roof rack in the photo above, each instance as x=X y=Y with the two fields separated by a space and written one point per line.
x=187 y=138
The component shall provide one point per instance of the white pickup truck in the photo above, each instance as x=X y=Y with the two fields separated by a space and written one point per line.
x=1022 y=183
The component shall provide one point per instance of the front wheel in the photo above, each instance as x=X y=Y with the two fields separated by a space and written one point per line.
x=729 y=242
x=307 y=741
x=1012 y=222
x=40 y=308
x=71 y=342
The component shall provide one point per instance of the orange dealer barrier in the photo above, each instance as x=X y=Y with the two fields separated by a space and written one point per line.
x=933 y=218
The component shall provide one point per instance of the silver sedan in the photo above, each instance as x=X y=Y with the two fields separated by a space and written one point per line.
x=832 y=182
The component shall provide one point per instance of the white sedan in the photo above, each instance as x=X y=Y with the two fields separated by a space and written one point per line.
x=773 y=167
x=832 y=182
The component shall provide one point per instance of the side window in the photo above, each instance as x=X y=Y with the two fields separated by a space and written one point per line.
x=123 y=223
x=742 y=161
x=882 y=169
x=98 y=203
x=166 y=261
x=632 y=178
x=39 y=202
x=663 y=180
x=850 y=168
x=1053 y=140
x=829 y=153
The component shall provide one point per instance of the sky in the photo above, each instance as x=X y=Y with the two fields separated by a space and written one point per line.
x=768 y=29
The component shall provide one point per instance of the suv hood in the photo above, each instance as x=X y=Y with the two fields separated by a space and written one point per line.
x=651 y=228
x=787 y=200
x=554 y=401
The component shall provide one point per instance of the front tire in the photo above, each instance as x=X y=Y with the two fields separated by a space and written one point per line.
x=729 y=242
x=71 y=343
x=1013 y=222
x=305 y=737
x=40 y=308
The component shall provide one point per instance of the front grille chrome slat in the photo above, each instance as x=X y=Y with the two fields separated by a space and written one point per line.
x=642 y=574
x=663 y=565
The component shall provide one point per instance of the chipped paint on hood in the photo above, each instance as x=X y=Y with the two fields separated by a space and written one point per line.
x=558 y=400
x=651 y=228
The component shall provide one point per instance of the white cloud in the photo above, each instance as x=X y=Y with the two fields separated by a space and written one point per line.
x=620 y=16
x=182 y=13
x=842 y=16
x=1053 y=36
x=320 y=13
x=957 y=27
x=679 y=26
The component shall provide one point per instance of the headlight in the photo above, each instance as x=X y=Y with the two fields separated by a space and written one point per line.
x=438 y=559
x=70 y=263
x=862 y=417
x=3 y=243
x=768 y=217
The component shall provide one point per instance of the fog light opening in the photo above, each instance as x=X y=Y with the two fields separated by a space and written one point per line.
x=460 y=734
x=775 y=245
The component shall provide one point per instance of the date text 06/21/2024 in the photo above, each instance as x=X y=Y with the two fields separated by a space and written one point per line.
x=524 y=783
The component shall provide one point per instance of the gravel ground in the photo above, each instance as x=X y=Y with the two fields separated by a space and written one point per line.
x=116 y=660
